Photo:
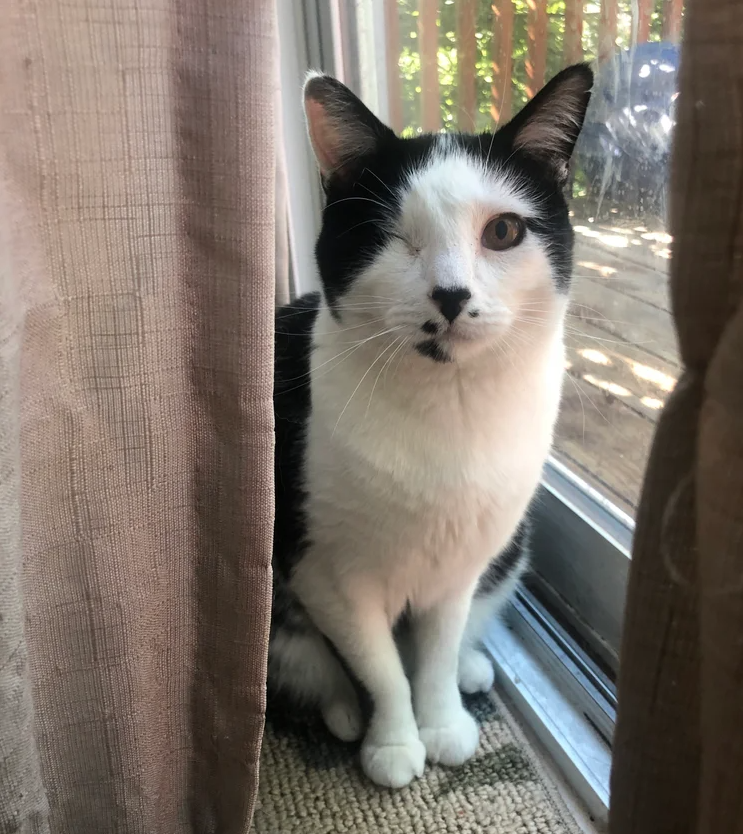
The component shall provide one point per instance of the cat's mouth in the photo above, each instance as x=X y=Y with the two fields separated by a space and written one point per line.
x=448 y=334
x=455 y=335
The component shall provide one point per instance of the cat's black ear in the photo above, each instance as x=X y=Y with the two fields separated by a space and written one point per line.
x=549 y=125
x=342 y=129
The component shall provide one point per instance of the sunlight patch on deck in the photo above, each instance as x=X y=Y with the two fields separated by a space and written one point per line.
x=609 y=387
x=663 y=381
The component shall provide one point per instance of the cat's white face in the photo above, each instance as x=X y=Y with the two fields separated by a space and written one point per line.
x=453 y=244
x=461 y=271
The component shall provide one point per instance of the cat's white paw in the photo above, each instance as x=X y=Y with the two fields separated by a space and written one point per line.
x=452 y=739
x=393 y=765
x=475 y=672
x=343 y=718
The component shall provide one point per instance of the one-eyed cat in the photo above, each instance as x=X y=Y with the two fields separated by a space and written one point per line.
x=415 y=402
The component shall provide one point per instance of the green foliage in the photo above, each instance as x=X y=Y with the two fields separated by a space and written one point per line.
x=410 y=59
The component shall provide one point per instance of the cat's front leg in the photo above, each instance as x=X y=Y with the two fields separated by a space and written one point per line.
x=449 y=733
x=357 y=624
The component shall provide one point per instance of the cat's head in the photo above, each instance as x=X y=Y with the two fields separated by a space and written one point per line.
x=453 y=241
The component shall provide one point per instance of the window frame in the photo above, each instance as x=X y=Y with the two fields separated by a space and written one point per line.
x=581 y=556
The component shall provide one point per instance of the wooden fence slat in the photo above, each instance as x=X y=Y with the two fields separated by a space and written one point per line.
x=607 y=29
x=394 y=82
x=428 y=35
x=573 y=43
x=466 y=60
x=671 y=20
x=536 y=32
x=501 y=92
x=644 y=11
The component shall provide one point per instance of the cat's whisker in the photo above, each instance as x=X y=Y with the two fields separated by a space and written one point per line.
x=575 y=315
x=314 y=375
x=576 y=381
x=360 y=382
x=381 y=181
x=601 y=319
x=577 y=332
x=580 y=334
x=386 y=364
x=585 y=307
x=282 y=316
x=582 y=407
x=333 y=332
x=505 y=352
x=354 y=346
x=363 y=305
x=366 y=307
x=402 y=356
x=384 y=332
x=373 y=193
x=368 y=295
x=364 y=199
x=363 y=223
x=516 y=339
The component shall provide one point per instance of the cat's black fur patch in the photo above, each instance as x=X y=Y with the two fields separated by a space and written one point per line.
x=292 y=404
x=430 y=327
x=431 y=349
x=511 y=560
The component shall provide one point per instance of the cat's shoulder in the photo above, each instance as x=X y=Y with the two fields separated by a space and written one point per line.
x=299 y=315
x=294 y=321
x=292 y=348
x=293 y=342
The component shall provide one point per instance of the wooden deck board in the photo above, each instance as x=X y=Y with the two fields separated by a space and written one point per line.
x=607 y=441
x=621 y=370
x=622 y=363
x=625 y=318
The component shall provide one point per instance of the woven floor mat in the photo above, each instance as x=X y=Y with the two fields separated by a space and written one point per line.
x=311 y=783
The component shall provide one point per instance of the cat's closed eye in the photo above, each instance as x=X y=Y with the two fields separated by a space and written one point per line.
x=503 y=232
x=412 y=247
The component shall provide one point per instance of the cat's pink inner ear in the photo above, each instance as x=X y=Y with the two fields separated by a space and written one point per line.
x=549 y=124
x=548 y=128
x=324 y=135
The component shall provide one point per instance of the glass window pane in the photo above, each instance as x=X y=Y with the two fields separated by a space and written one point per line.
x=471 y=64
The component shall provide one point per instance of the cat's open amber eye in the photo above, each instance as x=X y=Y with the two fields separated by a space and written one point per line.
x=503 y=232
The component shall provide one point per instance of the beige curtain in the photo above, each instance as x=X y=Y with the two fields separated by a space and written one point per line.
x=678 y=756
x=137 y=246
x=282 y=268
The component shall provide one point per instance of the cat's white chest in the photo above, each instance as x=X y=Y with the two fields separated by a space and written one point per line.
x=416 y=497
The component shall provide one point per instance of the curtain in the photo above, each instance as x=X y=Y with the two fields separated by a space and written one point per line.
x=137 y=246
x=678 y=753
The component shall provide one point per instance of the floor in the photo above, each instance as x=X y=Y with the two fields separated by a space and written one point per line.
x=622 y=359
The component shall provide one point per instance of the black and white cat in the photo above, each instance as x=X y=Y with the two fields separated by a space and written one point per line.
x=415 y=403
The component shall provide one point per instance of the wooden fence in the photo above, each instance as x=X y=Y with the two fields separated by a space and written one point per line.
x=502 y=63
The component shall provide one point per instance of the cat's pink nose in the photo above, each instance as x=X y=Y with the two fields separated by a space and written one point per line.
x=450 y=300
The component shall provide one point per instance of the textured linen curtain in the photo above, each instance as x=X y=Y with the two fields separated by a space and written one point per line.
x=137 y=246
x=678 y=754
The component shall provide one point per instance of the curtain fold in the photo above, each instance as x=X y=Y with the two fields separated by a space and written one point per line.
x=138 y=214
x=283 y=260
x=678 y=752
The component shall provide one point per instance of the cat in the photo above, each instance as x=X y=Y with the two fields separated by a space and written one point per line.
x=415 y=402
